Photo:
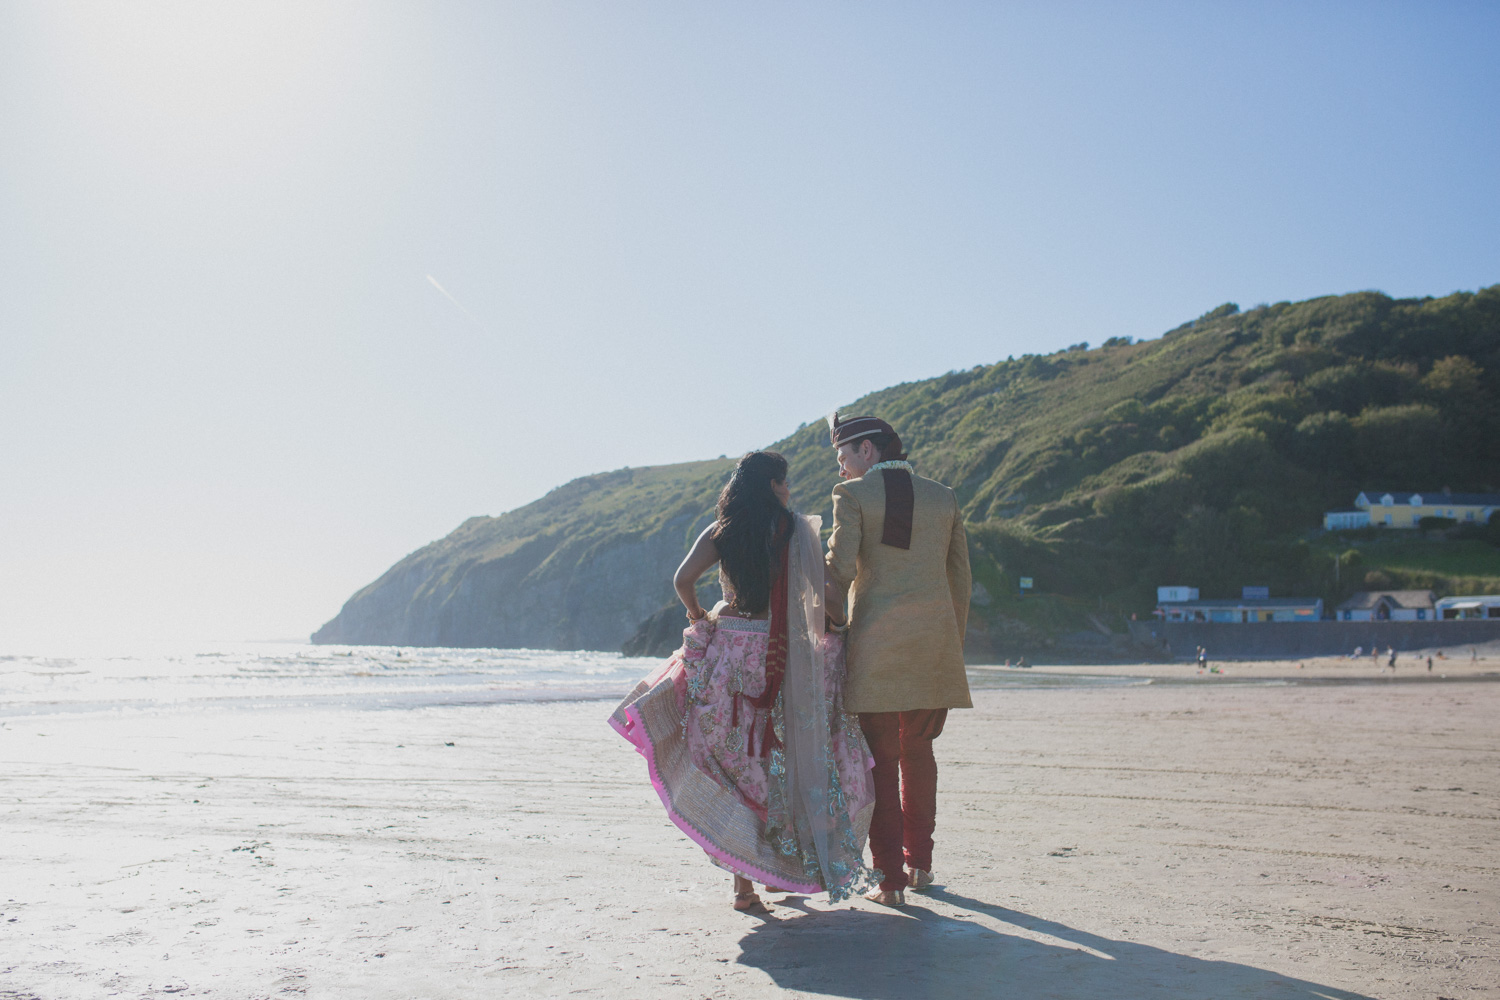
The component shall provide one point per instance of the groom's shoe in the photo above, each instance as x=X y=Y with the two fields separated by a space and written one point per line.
x=918 y=880
x=887 y=897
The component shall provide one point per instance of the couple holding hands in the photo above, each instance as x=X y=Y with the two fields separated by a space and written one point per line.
x=782 y=735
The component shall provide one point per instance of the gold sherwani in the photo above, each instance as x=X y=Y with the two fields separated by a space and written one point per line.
x=908 y=607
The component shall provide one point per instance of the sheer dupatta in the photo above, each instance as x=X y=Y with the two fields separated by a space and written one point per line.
x=821 y=825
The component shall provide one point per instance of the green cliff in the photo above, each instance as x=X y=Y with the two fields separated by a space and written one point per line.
x=1205 y=457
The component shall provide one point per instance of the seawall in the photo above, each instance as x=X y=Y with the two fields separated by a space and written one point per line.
x=1289 y=640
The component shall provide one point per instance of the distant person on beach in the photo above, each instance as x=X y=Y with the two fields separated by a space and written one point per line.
x=744 y=727
x=899 y=551
x=1202 y=659
x=1390 y=653
x=1429 y=664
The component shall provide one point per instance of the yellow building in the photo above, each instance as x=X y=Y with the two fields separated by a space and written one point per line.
x=1406 y=510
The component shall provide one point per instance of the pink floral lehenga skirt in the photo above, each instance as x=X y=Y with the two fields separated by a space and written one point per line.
x=721 y=767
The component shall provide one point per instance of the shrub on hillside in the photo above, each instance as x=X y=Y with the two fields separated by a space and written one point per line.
x=1409 y=438
x=1152 y=511
x=1229 y=462
x=1324 y=441
x=1352 y=387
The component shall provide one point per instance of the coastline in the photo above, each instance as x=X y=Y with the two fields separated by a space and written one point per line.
x=1137 y=840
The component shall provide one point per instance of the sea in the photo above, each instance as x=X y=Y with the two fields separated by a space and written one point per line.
x=259 y=675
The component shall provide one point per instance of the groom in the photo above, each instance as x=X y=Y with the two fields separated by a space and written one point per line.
x=898 y=549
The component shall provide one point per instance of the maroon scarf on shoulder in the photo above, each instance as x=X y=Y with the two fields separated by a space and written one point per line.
x=899 y=499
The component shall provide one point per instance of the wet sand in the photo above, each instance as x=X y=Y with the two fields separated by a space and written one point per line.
x=1162 y=840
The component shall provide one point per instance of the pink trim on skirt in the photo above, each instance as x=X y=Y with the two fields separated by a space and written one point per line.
x=634 y=730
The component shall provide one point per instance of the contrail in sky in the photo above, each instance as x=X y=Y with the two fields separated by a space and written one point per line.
x=447 y=295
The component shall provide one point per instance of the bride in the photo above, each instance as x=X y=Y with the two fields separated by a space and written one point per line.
x=743 y=728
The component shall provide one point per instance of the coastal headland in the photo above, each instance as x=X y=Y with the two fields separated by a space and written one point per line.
x=1222 y=836
x=1088 y=478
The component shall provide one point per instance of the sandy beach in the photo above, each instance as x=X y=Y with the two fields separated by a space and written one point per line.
x=1163 y=840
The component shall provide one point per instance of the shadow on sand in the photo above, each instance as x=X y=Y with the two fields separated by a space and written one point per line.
x=917 y=953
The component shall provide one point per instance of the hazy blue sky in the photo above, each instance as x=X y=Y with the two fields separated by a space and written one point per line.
x=231 y=391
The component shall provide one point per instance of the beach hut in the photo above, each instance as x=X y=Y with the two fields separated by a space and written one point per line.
x=1472 y=608
x=1243 y=610
x=1389 y=606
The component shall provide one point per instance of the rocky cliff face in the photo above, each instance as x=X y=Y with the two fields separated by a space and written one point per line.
x=658 y=635
x=578 y=569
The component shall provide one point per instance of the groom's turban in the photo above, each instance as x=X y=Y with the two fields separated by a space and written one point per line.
x=899 y=498
x=846 y=431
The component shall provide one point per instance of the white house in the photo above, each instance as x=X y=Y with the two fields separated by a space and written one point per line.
x=1343 y=520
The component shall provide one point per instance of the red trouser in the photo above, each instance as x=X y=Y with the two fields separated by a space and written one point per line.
x=905 y=789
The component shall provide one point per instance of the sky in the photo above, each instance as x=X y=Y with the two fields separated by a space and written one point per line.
x=288 y=290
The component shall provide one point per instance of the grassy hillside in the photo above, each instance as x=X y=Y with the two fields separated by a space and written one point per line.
x=1395 y=560
x=1205 y=457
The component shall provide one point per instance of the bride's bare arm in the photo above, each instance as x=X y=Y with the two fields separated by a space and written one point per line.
x=700 y=559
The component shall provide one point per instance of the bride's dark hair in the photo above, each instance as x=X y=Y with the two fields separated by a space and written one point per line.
x=751 y=526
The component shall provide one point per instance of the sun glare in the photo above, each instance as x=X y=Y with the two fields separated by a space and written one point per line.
x=184 y=85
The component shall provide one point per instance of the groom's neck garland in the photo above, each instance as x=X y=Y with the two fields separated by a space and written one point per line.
x=896 y=474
